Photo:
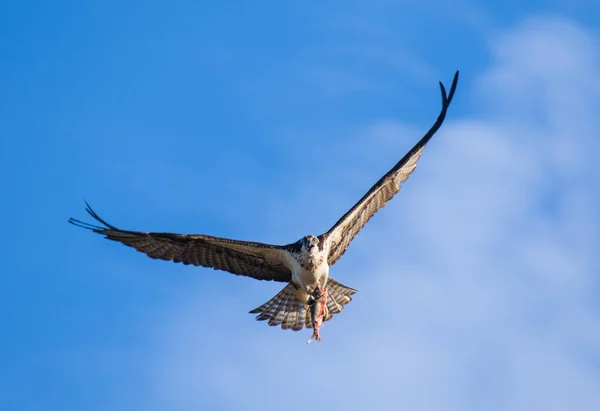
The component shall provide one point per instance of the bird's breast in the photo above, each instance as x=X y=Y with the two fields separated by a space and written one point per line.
x=317 y=274
x=308 y=270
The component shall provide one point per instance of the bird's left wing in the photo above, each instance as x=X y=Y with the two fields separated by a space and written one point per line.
x=257 y=260
x=342 y=233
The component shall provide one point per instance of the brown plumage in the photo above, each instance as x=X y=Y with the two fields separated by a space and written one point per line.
x=257 y=260
x=344 y=231
x=303 y=264
x=285 y=309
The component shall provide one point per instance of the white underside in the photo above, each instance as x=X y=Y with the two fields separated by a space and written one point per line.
x=305 y=279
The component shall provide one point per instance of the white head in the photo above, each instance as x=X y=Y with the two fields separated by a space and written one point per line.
x=309 y=244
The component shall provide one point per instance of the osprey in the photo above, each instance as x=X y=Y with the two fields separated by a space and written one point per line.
x=310 y=296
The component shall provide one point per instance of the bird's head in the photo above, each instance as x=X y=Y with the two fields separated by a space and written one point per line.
x=309 y=242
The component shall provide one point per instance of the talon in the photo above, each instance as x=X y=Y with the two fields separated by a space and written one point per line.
x=317 y=293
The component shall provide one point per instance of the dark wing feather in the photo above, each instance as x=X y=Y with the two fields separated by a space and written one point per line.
x=342 y=233
x=257 y=260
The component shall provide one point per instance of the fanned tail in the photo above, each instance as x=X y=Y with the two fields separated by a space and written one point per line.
x=338 y=295
x=286 y=310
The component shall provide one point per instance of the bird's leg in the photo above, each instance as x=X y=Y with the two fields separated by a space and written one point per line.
x=315 y=295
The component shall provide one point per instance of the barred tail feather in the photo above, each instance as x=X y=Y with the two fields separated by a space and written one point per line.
x=286 y=310
x=338 y=295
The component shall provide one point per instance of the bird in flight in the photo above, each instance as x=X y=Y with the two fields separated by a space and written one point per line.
x=310 y=296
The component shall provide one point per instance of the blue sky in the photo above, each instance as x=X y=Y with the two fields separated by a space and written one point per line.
x=478 y=284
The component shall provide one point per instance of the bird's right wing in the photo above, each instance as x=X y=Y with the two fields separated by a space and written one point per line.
x=342 y=233
x=257 y=260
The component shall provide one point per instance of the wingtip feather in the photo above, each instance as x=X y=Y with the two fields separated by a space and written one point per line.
x=447 y=96
x=101 y=229
x=453 y=86
x=83 y=224
x=444 y=94
x=91 y=212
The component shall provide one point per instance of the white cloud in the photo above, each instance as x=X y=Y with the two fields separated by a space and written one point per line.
x=477 y=284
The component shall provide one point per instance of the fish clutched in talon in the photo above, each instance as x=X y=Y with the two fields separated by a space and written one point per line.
x=318 y=309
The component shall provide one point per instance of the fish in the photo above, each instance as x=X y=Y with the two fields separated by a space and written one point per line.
x=318 y=309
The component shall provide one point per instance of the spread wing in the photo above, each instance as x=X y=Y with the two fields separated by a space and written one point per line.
x=257 y=260
x=342 y=233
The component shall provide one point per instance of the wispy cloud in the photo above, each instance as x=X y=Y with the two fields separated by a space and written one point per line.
x=478 y=284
